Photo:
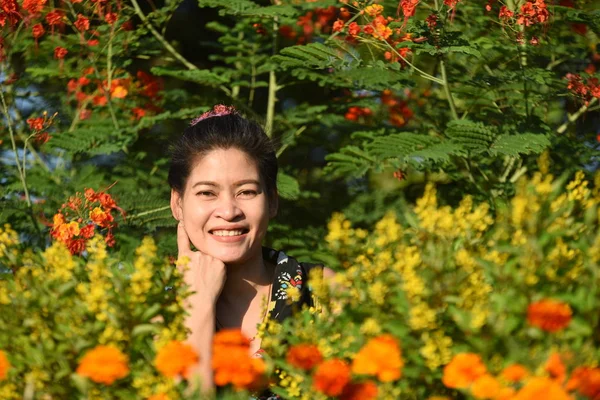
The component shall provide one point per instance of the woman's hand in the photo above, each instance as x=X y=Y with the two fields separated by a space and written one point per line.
x=205 y=275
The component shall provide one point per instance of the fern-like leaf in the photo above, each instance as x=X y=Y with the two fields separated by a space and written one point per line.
x=524 y=143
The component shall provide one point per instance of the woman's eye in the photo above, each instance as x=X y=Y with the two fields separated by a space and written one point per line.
x=204 y=194
x=248 y=193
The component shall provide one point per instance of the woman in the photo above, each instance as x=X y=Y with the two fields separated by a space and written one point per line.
x=223 y=179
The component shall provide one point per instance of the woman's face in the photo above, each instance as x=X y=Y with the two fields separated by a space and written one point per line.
x=225 y=207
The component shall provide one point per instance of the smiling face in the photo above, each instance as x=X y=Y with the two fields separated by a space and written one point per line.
x=225 y=207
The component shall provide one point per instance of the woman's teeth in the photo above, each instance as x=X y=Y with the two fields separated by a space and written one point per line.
x=227 y=233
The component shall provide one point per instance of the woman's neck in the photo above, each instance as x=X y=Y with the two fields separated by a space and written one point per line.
x=247 y=277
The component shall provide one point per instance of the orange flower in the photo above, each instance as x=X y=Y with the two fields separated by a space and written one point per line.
x=118 y=92
x=382 y=357
x=556 y=368
x=304 y=356
x=506 y=393
x=542 y=388
x=160 y=396
x=331 y=377
x=486 y=387
x=175 y=358
x=359 y=391
x=463 y=370
x=104 y=364
x=514 y=373
x=232 y=363
x=100 y=217
x=82 y=23
x=64 y=232
x=549 y=315
x=4 y=366
x=587 y=382
x=230 y=337
x=60 y=52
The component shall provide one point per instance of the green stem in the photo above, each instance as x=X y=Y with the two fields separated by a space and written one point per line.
x=14 y=147
x=130 y=217
x=273 y=88
x=573 y=117
x=447 y=89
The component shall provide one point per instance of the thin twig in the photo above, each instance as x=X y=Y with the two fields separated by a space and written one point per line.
x=573 y=117
x=14 y=147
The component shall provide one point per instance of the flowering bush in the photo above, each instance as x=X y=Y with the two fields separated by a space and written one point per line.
x=439 y=300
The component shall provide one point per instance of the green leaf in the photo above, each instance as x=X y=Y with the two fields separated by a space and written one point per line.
x=525 y=143
x=287 y=186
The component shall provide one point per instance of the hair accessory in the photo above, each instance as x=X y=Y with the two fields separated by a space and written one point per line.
x=217 y=111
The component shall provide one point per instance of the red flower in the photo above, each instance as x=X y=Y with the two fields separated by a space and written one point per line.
x=353 y=29
x=533 y=12
x=76 y=246
x=451 y=3
x=338 y=25
x=85 y=114
x=87 y=231
x=106 y=201
x=409 y=7
x=60 y=52
x=38 y=30
x=109 y=239
x=549 y=315
x=505 y=13
x=82 y=23
x=42 y=138
x=360 y=391
x=138 y=112
x=55 y=17
x=34 y=6
x=36 y=124
x=110 y=18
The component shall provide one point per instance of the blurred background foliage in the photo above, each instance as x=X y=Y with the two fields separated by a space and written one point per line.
x=452 y=92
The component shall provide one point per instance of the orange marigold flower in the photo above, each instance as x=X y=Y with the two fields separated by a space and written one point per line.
x=549 y=315
x=160 y=396
x=506 y=393
x=104 y=364
x=331 y=377
x=587 y=382
x=381 y=356
x=556 y=368
x=514 y=373
x=542 y=388
x=175 y=359
x=232 y=363
x=486 y=387
x=101 y=217
x=304 y=356
x=4 y=365
x=359 y=391
x=463 y=370
x=230 y=337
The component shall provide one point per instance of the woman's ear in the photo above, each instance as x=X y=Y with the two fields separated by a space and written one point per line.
x=176 y=205
x=273 y=204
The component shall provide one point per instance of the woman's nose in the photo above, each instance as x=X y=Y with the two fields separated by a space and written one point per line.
x=228 y=209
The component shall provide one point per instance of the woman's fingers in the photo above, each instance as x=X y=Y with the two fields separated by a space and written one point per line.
x=183 y=241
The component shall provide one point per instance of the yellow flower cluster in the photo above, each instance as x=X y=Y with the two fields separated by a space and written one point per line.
x=450 y=224
x=8 y=238
x=141 y=279
x=59 y=262
x=577 y=190
x=341 y=237
x=437 y=349
x=475 y=290
x=96 y=293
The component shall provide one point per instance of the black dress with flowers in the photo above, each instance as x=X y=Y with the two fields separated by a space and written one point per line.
x=289 y=273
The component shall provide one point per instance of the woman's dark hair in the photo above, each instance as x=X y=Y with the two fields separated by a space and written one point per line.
x=223 y=132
